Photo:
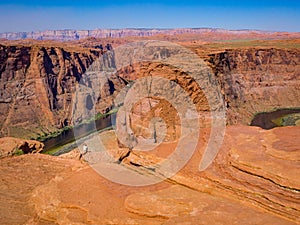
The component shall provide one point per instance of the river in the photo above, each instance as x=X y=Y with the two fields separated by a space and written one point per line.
x=82 y=130
x=266 y=120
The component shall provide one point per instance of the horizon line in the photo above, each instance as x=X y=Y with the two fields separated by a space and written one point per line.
x=152 y=28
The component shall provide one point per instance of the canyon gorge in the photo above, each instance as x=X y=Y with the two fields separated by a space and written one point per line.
x=252 y=180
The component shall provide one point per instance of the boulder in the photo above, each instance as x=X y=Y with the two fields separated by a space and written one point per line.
x=13 y=146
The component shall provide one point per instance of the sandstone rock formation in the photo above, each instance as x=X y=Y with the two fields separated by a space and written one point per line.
x=257 y=80
x=38 y=85
x=252 y=80
x=30 y=146
x=253 y=166
x=10 y=146
x=252 y=181
x=73 y=154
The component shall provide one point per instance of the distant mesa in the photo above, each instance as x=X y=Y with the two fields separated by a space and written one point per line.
x=71 y=35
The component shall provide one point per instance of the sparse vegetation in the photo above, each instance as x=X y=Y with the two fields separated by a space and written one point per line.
x=287 y=120
x=70 y=145
x=98 y=116
x=277 y=117
x=56 y=133
x=17 y=152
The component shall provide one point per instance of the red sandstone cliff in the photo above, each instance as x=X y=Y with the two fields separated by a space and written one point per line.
x=256 y=80
x=38 y=84
x=252 y=80
x=37 y=87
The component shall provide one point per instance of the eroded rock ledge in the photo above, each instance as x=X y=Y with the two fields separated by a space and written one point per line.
x=252 y=181
x=10 y=146
x=256 y=167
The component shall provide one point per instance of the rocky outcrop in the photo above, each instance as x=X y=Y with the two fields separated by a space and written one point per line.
x=254 y=180
x=10 y=146
x=254 y=166
x=179 y=205
x=156 y=117
x=74 y=154
x=257 y=80
x=203 y=33
x=38 y=86
x=30 y=146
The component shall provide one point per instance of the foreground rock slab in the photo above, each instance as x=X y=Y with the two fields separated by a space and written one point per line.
x=252 y=181
x=259 y=168
x=185 y=206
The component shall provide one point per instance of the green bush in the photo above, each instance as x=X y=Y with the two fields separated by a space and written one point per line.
x=18 y=151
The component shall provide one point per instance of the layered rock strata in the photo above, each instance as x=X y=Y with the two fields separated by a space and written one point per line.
x=257 y=80
x=38 y=85
x=204 y=33
x=252 y=181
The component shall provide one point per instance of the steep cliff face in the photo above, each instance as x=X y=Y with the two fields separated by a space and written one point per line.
x=37 y=87
x=252 y=80
x=256 y=80
x=164 y=105
x=38 y=84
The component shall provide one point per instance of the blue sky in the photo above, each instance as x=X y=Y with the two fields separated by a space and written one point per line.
x=17 y=15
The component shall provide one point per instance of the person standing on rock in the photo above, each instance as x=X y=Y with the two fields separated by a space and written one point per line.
x=84 y=150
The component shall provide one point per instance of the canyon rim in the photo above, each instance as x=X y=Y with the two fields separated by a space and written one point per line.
x=178 y=147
